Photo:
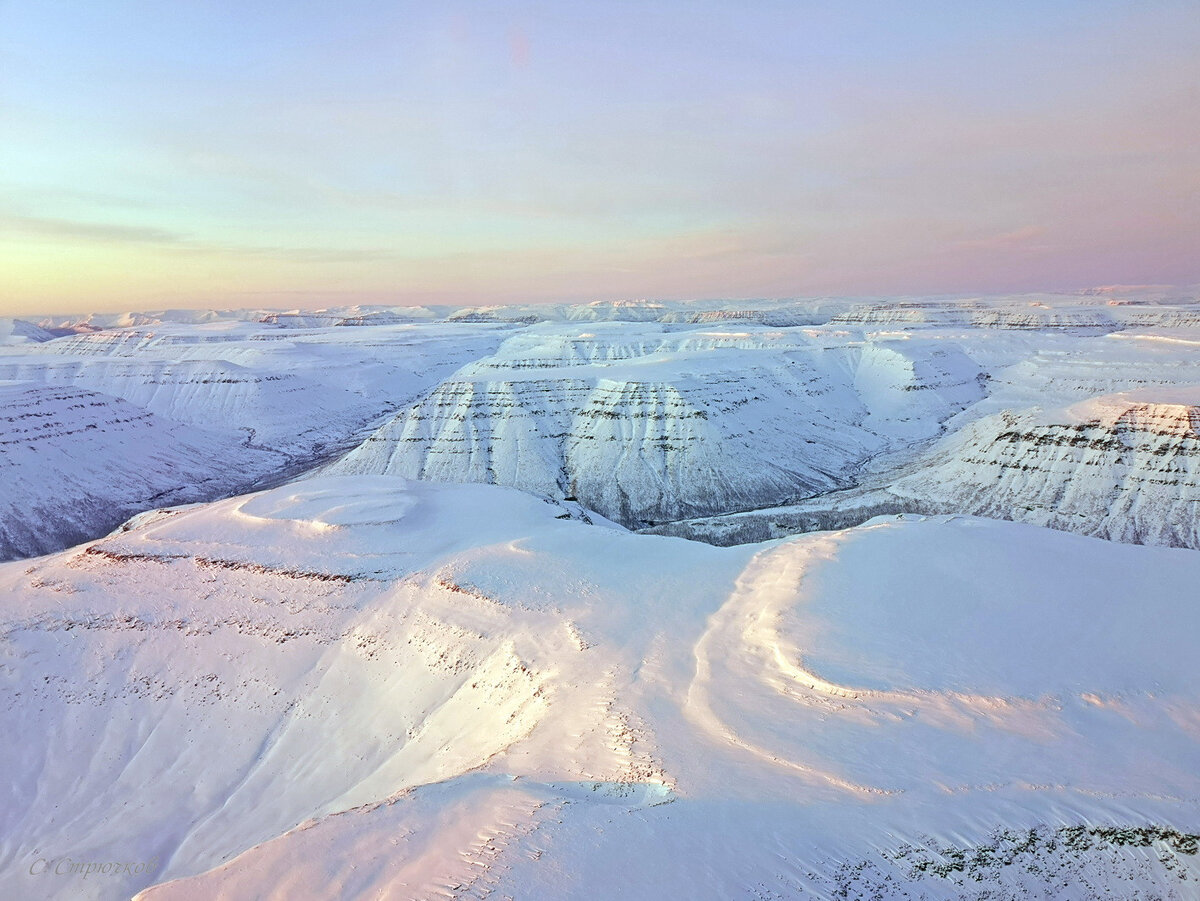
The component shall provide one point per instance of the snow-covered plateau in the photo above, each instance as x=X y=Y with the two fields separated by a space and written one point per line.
x=843 y=598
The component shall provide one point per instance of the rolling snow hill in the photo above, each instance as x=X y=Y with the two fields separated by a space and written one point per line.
x=364 y=686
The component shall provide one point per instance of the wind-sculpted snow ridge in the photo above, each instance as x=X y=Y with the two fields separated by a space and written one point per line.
x=77 y=463
x=644 y=424
x=363 y=687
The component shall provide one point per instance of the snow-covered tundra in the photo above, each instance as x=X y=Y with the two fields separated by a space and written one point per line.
x=420 y=639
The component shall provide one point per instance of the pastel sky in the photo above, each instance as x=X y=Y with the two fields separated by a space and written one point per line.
x=158 y=153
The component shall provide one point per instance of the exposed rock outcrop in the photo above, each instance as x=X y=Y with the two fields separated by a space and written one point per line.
x=75 y=464
x=1116 y=467
x=644 y=428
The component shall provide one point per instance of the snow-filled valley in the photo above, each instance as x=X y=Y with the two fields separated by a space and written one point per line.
x=814 y=599
x=100 y=425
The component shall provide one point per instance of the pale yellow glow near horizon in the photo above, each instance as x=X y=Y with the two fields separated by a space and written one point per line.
x=450 y=154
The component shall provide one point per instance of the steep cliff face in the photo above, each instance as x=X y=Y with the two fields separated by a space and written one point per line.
x=104 y=425
x=1080 y=316
x=630 y=450
x=76 y=463
x=1115 y=467
x=214 y=394
x=291 y=390
x=1118 y=467
x=1167 y=317
x=650 y=427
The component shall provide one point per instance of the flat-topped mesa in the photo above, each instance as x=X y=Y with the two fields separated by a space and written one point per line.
x=899 y=314
x=1042 y=318
x=783 y=316
x=77 y=463
x=1022 y=315
x=722 y=315
x=973 y=315
x=1181 y=420
x=112 y=343
x=1114 y=468
x=631 y=451
x=652 y=426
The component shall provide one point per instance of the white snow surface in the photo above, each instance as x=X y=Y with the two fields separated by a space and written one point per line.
x=77 y=463
x=644 y=424
x=18 y=331
x=378 y=626
x=390 y=688
x=95 y=427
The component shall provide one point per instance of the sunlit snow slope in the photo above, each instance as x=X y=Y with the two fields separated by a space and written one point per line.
x=364 y=687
